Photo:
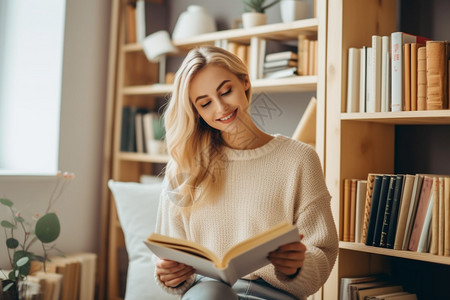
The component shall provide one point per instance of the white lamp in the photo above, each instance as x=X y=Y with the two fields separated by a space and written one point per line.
x=156 y=46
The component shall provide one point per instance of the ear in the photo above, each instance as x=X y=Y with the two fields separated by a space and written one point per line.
x=246 y=82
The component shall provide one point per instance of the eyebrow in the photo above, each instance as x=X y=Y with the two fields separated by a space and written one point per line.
x=218 y=88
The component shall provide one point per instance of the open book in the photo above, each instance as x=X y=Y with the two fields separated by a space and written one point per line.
x=242 y=259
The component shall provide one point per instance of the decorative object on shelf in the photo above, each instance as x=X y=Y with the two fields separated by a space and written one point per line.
x=156 y=46
x=254 y=14
x=22 y=234
x=192 y=22
x=292 y=10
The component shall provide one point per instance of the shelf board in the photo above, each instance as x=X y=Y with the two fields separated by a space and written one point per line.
x=143 y=157
x=290 y=84
x=277 y=31
x=402 y=117
x=427 y=257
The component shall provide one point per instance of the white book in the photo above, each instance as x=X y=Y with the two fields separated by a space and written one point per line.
x=363 y=79
x=425 y=235
x=398 y=39
x=353 y=80
x=147 y=121
x=281 y=55
x=257 y=55
x=374 y=100
x=385 y=74
x=139 y=133
x=140 y=21
x=361 y=188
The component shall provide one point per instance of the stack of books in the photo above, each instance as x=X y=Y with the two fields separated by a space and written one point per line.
x=280 y=64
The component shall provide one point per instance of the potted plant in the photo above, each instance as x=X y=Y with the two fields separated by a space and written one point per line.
x=21 y=234
x=254 y=14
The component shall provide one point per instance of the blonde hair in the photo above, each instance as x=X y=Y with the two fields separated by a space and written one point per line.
x=194 y=146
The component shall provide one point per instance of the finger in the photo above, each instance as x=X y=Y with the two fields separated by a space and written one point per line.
x=174 y=280
x=165 y=263
x=287 y=271
x=297 y=246
x=171 y=270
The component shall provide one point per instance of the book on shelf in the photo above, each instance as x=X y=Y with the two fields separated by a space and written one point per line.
x=280 y=63
x=387 y=212
x=353 y=79
x=346 y=282
x=353 y=186
x=422 y=78
x=374 y=99
x=347 y=207
x=365 y=294
x=367 y=205
x=302 y=56
x=437 y=81
x=435 y=218
x=447 y=216
x=403 y=211
x=414 y=74
x=257 y=56
x=407 y=76
x=361 y=190
x=398 y=39
x=441 y=223
x=140 y=21
x=240 y=260
x=354 y=288
x=282 y=55
x=386 y=185
x=417 y=186
x=283 y=73
x=363 y=79
x=425 y=235
x=394 y=296
x=385 y=74
x=373 y=209
x=422 y=207
x=130 y=18
x=392 y=223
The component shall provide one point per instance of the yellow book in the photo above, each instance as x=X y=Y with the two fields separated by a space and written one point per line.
x=240 y=260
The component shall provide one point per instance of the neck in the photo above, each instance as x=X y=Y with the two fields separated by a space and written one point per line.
x=245 y=135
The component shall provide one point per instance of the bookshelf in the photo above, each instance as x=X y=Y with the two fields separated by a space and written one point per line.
x=133 y=81
x=362 y=143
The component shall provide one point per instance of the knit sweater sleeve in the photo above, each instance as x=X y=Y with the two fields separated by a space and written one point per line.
x=314 y=219
x=169 y=222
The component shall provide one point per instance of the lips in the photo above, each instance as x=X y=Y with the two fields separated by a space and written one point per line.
x=228 y=118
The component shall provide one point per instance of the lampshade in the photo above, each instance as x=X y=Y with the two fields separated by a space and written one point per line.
x=157 y=45
x=192 y=22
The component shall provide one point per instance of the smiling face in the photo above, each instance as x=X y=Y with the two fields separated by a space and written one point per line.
x=219 y=97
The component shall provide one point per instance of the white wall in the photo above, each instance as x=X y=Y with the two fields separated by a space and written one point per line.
x=81 y=134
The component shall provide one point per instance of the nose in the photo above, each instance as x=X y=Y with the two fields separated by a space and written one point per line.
x=222 y=106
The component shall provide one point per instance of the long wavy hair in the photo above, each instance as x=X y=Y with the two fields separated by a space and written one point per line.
x=195 y=148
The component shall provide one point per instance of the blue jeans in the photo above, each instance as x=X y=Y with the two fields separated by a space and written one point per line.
x=206 y=288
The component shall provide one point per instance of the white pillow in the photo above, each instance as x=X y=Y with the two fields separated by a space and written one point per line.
x=137 y=207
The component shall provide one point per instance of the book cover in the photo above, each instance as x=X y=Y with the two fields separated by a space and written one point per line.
x=424 y=243
x=398 y=39
x=347 y=208
x=441 y=225
x=363 y=79
x=386 y=184
x=373 y=209
x=345 y=293
x=385 y=74
x=374 y=99
x=303 y=54
x=353 y=79
x=367 y=206
x=361 y=190
x=392 y=227
x=379 y=291
x=353 y=184
x=434 y=247
x=422 y=78
x=417 y=186
x=279 y=63
x=140 y=21
x=238 y=261
x=422 y=207
x=281 y=73
x=403 y=212
x=414 y=74
x=387 y=212
x=437 y=57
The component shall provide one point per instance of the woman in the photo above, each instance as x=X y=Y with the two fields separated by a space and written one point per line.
x=227 y=181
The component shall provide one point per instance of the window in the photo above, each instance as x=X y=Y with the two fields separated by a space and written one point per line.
x=31 y=53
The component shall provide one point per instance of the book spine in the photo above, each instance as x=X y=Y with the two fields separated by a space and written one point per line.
x=352 y=209
x=414 y=47
x=140 y=21
x=447 y=216
x=417 y=186
x=422 y=78
x=347 y=208
x=436 y=74
x=353 y=80
x=423 y=245
x=387 y=212
x=374 y=101
x=441 y=225
x=361 y=189
x=367 y=206
x=381 y=208
x=403 y=212
x=392 y=227
x=385 y=74
x=435 y=218
x=407 y=76
x=373 y=209
x=363 y=79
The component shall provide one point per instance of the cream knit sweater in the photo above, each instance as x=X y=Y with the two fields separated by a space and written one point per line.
x=280 y=181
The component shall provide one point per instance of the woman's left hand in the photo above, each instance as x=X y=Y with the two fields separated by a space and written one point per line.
x=288 y=259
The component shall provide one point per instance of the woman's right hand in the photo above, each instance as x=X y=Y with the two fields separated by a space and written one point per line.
x=172 y=273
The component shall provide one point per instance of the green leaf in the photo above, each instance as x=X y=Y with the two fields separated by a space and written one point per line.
x=6 y=202
x=19 y=219
x=24 y=269
x=23 y=261
x=12 y=243
x=48 y=228
x=7 y=224
x=6 y=288
x=12 y=276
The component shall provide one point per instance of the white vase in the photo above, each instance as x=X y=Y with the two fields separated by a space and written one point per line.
x=252 y=19
x=192 y=22
x=292 y=10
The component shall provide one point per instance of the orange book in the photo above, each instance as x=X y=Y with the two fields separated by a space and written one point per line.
x=414 y=48
x=353 y=184
x=407 y=76
x=347 y=207
x=436 y=75
x=131 y=23
x=422 y=78
x=369 y=190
